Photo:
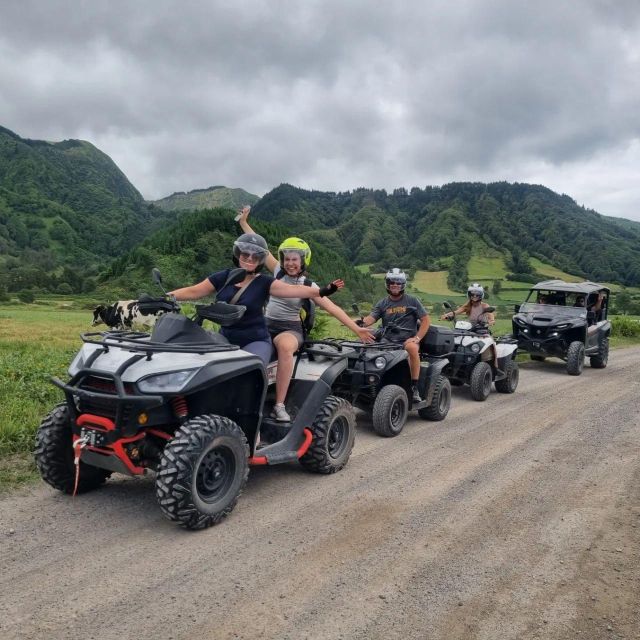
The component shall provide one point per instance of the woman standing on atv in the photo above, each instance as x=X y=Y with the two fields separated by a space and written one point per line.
x=473 y=307
x=250 y=333
x=283 y=313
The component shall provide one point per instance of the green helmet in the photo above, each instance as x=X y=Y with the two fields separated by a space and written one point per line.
x=296 y=245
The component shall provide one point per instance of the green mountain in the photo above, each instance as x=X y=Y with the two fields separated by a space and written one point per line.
x=210 y=198
x=201 y=242
x=440 y=228
x=65 y=209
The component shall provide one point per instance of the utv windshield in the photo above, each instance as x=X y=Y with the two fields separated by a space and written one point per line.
x=555 y=302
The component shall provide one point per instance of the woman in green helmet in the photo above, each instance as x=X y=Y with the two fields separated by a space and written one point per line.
x=283 y=314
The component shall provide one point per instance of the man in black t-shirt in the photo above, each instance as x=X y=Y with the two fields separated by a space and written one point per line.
x=400 y=313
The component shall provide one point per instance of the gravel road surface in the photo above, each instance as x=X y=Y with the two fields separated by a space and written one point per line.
x=514 y=518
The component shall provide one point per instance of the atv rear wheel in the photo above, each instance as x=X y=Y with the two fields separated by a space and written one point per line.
x=334 y=432
x=54 y=455
x=537 y=358
x=202 y=471
x=575 y=358
x=600 y=361
x=509 y=383
x=480 y=381
x=390 y=411
x=440 y=402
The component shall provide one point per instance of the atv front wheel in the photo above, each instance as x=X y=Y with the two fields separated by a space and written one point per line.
x=334 y=432
x=202 y=471
x=480 y=381
x=390 y=411
x=600 y=361
x=440 y=402
x=54 y=455
x=575 y=358
x=509 y=383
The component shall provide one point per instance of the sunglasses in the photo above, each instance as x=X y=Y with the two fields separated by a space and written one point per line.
x=250 y=257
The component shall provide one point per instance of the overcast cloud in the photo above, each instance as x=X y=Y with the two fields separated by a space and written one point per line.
x=336 y=95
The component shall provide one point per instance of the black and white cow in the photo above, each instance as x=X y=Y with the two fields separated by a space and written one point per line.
x=123 y=315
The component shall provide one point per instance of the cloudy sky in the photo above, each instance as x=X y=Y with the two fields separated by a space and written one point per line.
x=338 y=94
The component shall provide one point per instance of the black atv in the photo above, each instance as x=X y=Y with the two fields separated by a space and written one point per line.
x=565 y=320
x=378 y=381
x=188 y=405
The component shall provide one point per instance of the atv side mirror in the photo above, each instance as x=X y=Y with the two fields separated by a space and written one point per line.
x=489 y=310
x=516 y=308
x=356 y=308
x=447 y=305
x=155 y=275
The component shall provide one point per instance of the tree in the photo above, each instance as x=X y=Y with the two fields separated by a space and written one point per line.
x=497 y=287
x=623 y=302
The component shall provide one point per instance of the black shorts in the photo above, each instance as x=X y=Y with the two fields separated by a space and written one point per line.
x=276 y=327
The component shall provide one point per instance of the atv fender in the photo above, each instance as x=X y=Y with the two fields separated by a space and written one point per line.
x=428 y=377
x=287 y=448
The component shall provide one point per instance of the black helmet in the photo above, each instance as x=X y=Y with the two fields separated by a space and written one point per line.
x=253 y=244
x=395 y=276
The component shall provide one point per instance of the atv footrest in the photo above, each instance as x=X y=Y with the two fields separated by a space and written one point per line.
x=278 y=457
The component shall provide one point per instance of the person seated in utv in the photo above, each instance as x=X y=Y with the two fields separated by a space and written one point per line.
x=250 y=333
x=401 y=314
x=474 y=307
x=283 y=314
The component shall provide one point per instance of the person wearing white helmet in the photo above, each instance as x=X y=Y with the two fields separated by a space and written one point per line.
x=283 y=314
x=474 y=307
x=400 y=314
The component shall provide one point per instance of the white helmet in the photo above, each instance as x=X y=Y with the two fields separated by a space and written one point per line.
x=395 y=276
x=475 y=290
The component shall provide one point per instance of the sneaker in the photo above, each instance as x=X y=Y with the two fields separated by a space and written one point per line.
x=280 y=413
x=415 y=395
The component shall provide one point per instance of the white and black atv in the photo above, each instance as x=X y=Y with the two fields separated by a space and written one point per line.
x=478 y=359
x=188 y=405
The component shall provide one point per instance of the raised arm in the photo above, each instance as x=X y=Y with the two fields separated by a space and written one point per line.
x=194 y=292
x=332 y=308
x=270 y=261
x=281 y=289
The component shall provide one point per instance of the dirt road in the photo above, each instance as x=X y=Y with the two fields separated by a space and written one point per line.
x=516 y=518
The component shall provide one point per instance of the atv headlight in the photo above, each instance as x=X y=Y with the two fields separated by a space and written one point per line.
x=166 y=382
x=475 y=347
x=380 y=362
x=563 y=326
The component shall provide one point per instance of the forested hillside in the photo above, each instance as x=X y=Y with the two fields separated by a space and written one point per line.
x=65 y=209
x=201 y=242
x=438 y=228
x=210 y=198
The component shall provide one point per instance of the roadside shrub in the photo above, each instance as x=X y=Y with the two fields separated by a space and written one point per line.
x=625 y=326
x=26 y=296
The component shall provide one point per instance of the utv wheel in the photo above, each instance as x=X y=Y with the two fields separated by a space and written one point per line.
x=54 y=455
x=480 y=381
x=509 y=383
x=390 y=411
x=440 y=403
x=537 y=358
x=202 y=471
x=600 y=361
x=334 y=431
x=575 y=358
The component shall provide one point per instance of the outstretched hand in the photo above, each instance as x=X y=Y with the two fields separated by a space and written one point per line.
x=365 y=335
x=331 y=288
x=243 y=214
